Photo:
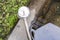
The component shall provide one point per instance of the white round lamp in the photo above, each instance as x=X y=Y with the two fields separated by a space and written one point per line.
x=24 y=12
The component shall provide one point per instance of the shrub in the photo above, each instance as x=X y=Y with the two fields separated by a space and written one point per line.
x=8 y=15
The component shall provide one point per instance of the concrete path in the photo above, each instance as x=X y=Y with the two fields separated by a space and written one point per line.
x=19 y=32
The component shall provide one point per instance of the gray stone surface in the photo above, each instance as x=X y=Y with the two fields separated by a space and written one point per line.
x=19 y=32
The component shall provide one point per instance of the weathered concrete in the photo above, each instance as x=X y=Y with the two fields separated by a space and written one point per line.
x=19 y=32
x=35 y=7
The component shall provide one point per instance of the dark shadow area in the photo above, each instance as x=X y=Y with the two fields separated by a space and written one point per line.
x=50 y=14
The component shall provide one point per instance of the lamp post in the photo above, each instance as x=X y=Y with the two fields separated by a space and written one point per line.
x=24 y=12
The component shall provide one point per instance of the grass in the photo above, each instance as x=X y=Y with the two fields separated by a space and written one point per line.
x=8 y=15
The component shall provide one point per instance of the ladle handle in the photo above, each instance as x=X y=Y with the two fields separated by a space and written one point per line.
x=27 y=28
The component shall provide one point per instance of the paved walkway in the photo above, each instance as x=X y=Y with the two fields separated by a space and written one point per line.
x=19 y=32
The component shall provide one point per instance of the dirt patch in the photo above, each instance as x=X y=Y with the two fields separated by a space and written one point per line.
x=50 y=13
